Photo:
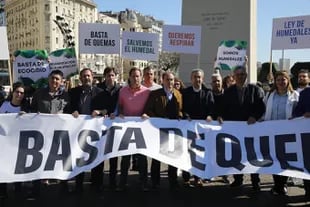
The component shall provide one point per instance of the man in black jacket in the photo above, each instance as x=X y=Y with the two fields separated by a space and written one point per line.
x=82 y=102
x=198 y=103
x=243 y=102
x=303 y=109
x=105 y=104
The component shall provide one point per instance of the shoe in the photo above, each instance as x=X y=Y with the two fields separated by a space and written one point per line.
x=275 y=191
x=198 y=183
x=135 y=167
x=33 y=195
x=235 y=184
x=46 y=182
x=188 y=184
x=225 y=179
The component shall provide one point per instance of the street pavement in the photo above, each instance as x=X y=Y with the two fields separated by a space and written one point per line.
x=213 y=194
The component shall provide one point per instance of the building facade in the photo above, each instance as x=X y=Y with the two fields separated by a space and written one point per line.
x=53 y=25
x=48 y=24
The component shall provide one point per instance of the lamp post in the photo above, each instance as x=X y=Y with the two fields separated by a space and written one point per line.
x=65 y=30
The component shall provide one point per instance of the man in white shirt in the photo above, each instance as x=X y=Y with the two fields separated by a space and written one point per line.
x=303 y=80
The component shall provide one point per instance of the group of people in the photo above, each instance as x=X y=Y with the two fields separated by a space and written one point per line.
x=141 y=96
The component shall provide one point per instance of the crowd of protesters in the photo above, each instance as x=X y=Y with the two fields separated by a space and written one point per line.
x=229 y=99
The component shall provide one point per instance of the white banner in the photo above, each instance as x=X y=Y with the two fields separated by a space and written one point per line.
x=33 y=148
x=98 y=38
x=140 y=46
x=4 y=52
x=64 y=60
x=231 y=54
x=291 y=33
x=181 y=39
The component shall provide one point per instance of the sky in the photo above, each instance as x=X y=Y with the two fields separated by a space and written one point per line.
x=170 y=12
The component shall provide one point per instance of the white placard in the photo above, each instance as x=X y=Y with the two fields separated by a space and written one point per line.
x=181 y=39
x=98 y=38
x=291 y=33
x=4 y=52
x=140 y=46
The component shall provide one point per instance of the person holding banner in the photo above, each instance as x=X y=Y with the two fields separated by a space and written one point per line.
x=148 y=81
x=83 y=101
x=198 y=103
x=132 y=99
x=280 y=103
x=165 y=102
x=105 y=104
x=303 y=80
x=303 y=109
x=243 y=102
x=15 y=103
x=51 y=100
x=218 y=94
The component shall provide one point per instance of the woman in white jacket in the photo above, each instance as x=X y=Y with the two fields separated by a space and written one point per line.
x=280 y=103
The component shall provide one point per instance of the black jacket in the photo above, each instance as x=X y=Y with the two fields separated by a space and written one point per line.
x=75 y=94
x=197 y=105
x=251 y=106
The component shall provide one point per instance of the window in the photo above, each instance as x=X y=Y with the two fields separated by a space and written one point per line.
x=47 y=7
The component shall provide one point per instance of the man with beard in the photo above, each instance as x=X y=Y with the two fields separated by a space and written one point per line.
x=83 y=102
x=243 y=102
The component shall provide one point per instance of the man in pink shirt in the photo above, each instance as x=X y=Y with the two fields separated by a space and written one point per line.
x=132 y=99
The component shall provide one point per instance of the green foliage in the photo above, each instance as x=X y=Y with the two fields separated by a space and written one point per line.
x=39 y=54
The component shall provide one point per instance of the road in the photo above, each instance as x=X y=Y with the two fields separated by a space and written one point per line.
x=212 y=194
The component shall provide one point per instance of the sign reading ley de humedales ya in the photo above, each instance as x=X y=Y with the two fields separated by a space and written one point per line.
x=181 y=39
x=98 y=38
x=291 y=33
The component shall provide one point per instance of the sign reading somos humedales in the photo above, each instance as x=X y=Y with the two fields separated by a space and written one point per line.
x=291 y=33
x=230 y=54
x=140 y=46
x=98 y=38
x=32 y=148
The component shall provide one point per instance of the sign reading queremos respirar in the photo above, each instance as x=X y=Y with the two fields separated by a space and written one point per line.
x=183 y=39
x=32 y=148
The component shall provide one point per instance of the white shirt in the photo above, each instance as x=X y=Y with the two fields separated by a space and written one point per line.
x=7 y=107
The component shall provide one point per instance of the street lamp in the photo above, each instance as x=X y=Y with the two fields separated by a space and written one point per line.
x=65 y=30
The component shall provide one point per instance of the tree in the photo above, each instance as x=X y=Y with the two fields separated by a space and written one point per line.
x=169 y=61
